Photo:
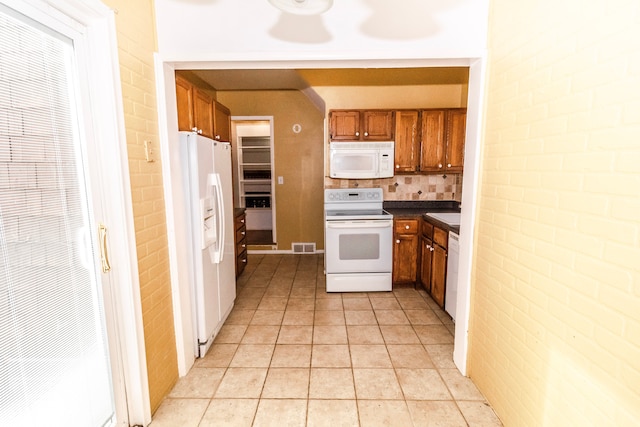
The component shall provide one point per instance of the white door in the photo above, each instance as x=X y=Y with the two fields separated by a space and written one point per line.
x=56 y=322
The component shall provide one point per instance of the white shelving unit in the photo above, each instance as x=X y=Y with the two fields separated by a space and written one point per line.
x=255 y=180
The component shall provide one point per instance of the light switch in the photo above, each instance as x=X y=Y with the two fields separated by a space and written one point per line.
x=280 y=180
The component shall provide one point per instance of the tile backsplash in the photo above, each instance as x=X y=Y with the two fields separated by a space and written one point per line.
x=408 y=187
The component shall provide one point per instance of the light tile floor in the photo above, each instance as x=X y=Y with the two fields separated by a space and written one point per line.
x=291 y=354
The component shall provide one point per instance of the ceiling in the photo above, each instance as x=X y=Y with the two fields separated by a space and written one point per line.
x=300 y=79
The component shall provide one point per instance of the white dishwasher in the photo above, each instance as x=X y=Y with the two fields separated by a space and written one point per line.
x=451 y=293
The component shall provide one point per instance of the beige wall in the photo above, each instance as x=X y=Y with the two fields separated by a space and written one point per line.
x=555 y=314
x=136 y=44
x=298 y=159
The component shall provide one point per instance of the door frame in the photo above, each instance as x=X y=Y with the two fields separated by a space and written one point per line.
x=168 y=125
x=92 y=25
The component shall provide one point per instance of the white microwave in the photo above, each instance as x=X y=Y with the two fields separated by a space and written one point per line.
x=361 y=160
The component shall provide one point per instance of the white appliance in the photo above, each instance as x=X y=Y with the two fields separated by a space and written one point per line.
x=358 y=241
x=451 y=292
x=361 y=160
x=206 y=167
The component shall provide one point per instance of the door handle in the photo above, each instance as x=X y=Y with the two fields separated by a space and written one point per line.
x=104 y=252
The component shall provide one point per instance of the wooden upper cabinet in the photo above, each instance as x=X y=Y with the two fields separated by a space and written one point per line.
x=432 y=146
x=361 y=125
x=407 y=146
x=203 y=112
x=378 y=125
x=345 y=125
x=184 y=98
x=443 y=135
x=455 y=137
x=221 y=122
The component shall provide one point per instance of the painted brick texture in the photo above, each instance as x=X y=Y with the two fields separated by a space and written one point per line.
x=555 y=321
x=136 y=45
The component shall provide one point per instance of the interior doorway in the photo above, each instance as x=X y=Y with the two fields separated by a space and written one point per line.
x=253 y=160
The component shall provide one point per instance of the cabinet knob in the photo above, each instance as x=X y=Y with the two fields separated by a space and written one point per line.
x=242 y=221
x=243 y=233
x=244 y=246
x=357 y=133
x=398 y=241
x=431 y=248
x=397 y=166
x=217 y=137
x=448 y=165
x=439 y=165
x=366 y=134
x=244 y=260
x=199 y=131
x=406 y=227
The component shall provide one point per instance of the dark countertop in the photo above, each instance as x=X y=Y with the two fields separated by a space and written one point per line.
x=412 y=209
x=237 y=212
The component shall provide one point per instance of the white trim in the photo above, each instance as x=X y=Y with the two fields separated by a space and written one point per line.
x=475 y=60
x=93 y=23
x=470 y=185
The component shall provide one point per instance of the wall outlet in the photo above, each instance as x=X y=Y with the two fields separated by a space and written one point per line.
x=280 y=180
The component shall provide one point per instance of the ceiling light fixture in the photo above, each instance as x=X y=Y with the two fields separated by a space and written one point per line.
x=303 y=7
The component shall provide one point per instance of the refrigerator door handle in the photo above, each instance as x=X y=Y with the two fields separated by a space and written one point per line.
x=217 y=251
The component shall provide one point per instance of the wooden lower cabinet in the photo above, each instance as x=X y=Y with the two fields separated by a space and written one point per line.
x=433 y=261
x=241 y=242
x=405 y=251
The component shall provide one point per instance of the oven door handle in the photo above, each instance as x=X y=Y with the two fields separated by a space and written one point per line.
x=359 y=224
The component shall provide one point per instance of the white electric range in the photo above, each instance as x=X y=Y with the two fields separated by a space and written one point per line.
x=358 y=240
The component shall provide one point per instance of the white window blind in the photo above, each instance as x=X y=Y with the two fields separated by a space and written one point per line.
x=54 y=367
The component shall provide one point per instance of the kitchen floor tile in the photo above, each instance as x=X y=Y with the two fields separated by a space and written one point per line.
x=356 y=303
x=256 y=334
x=218 y=356
x=441 y=355
x=435 y=413
x=369 y=356
x=391 y=317
x=376 y=384
x=286 y=383
x=329 y=335
x=388 y=413
x=267 y=317
x=360 y=317
x=422 y=384
x=332 y=413
x=293 y=334
x=291 y=356
x=230 y=412
x=433 y=334
x=239 y=317
x=281 y=412
x=298 y=317
x=364 y=334
x=385 y=304
x=399 y=334
x=461 y=387
x=423 y=317
x=331 y=383
x=230 y=334
x=252 y=356
x=198 y=383
x=179 y=412
x=409 y=356
x=242 y=383
x=301 y=304
x=479 y=414
x=329 y=304
x=333 y=317
x=330 y=356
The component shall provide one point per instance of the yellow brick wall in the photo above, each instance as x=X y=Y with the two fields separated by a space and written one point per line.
x=555 y=322
x=136 y=45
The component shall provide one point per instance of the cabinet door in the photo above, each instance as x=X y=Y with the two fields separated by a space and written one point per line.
x=203 y=112
x=455 y=135
x=378 y=125
x=345 y=125
x=184 y=98
x=407 y=146
x=405 y=258
x=438 y=274
x=432 y=145
x=426 y=255
x=221 y=122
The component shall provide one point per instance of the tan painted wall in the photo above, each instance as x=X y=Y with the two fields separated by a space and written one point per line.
x=298 y=159
x=136 y=45
x=555 y=320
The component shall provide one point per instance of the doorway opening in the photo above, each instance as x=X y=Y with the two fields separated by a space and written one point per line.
x=254 y=178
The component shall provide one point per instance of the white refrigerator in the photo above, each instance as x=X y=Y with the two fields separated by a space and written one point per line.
x=206 y=167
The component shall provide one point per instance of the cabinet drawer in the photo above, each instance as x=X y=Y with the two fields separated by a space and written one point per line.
x=240 y=221
x=440 y=237
x=405 y=226
x=240 y=234
x=427 y=229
